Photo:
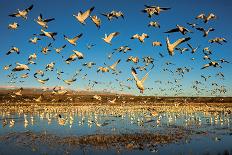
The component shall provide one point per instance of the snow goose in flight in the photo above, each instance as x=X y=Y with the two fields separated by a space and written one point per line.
x=13 y=26
x=48 y=34
x=154 y=24
x=180 y=29
x=20 y=67
x=156 y=43
x=89 y=46
x=171 y=47
x=108 y=15
x=103 y=69
x=73 y=40
x=206 y=18
x=140 y=37
x=69 y=82
x=32 y=56
x=42 y=81
x=113 y=66
x=182 y=50
x=193 y=50
x=46 y=49
x=140 y=83
x=150 y=10
x=43 y=22
x=117 y=14
x=7 y=67
x=218 y=40
x=89 y=64
x=81 y=17
x=73 y=57
x=108 y=38
x=22 y=13
x=211 y=63
x=96 y=21
x=205 y=32
x=192 y=24
x=13 y=50
x=133 y=59
x=58 y=50
x=50 y=66
x=34 y=40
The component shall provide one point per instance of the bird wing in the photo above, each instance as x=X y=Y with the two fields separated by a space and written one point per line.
x=189 y=46
x=200 y=29
x=134 y=73
x=77 y=37
x=145 y=76
x=172 y=30
x=179 y=41
x=115 y=64
x=87 y=13
x=48 y=20
x=114 y=34
x=205 y=66
x=28 y=9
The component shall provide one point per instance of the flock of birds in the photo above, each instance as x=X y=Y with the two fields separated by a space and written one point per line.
x=81 y=17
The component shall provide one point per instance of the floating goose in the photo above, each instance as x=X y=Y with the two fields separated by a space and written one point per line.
x=193 y=50
x=154 y=24
x=140 y=37
x=133 y=59
x=50 y=66
x=22 y=13
x=81 y=17
x=156 y=43
x=48 y=34
x=139 y=83
x=218 y=40
x=73 y=40
x=34 y=40
x=103 y=69
x=205 y=32
x=69 y=82
x=58 y=50
x=171 y=47
x=108 y=38
x=32 y=56
x=89 y=64
x=211 y=63
x=96 y=21
x=180 y=29
x=206 y=18
x=13 y=26
x=13 y=50
x=43 y=22
x=42 y=81
x=73 y=57
x=20 y=67
x=46 y=49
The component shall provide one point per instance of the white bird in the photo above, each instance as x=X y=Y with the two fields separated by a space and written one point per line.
x=20 y=67
x=171 y=47
x=13 y=26
x=139 y=83
x=73 y=57
x=108 y=38
x=43 y=22
x=58 y=50
x=112 y=101
x=206 y=18
x=205 y=32
x=13 y=50
x=96 y=21
x=34 y=40
x=81 y=17
x=22 y=13
x=73 y=40
x=140 y=37
x=113 y=66
x=48 y=34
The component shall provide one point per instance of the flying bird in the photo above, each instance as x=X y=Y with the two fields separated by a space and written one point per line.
x=205 y=32
x=108 y=38
x=58 y=50
x=218 y=40
x=180 y=29
x=73 y=40
x=81 y=17
x=140 y=37
x=43 y=22
x=171 y=47
x=206 y=18
x=13 y=26
x=22 y=13
x=48 y=34
x=96 y=21
x=20 y=67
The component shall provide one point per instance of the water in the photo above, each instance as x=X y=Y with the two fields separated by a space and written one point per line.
x=204 y=132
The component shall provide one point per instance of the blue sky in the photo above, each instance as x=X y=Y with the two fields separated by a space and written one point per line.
x=135 y=21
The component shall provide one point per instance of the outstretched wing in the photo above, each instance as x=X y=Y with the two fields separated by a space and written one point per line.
x=114 y=34
x=134 y=73
x=87 y=13
x=145 y=76
x=179 y=41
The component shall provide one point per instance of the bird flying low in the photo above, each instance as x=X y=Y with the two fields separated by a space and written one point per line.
x=22 y=13
x=108 y=38
x=171 y=47
x=81 y=17
x=140 y=83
